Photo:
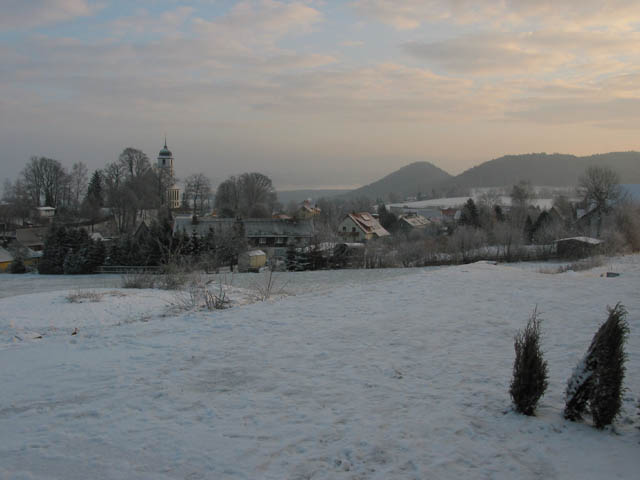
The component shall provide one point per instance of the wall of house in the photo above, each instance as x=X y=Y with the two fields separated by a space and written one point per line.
x=350 y=232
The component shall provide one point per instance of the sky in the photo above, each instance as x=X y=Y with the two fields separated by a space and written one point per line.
x=316 y=93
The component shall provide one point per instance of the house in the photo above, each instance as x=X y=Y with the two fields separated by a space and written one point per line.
x=411 y=222
x=273 y=236
x=268 y=234
x=44 y=213
x=251 y=261
x=32 y=238
x=5 y=259
x=578 y=247
x=360 y=227
x=307 y=211
x=450 y=214
x=29 y=258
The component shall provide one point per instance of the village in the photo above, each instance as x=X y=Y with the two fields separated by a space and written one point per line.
x=187 y=227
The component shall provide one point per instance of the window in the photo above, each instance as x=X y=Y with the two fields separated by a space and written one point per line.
x=344 y=229
x=353 y=229
x=263 y=241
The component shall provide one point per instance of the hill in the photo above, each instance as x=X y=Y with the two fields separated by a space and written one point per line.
x=542 y=169
x=408 y=180
x=298 y=196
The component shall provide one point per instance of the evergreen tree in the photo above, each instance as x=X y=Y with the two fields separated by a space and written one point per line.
x=469 y=215
x=528 y=229
x=596 y=383
x=387 y=219
x=292 y=258
x=54 y=251
x=195 y=245
x=499 y=213
x=95 y=190
x=529 y=369
x=17 y=265
x=95 y=256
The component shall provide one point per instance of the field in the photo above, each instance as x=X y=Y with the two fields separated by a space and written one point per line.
x=369 y=374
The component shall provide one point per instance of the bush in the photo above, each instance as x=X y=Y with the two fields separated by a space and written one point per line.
x=138 y=280
x=596 y=383
x=17 y=266
x=529 y=369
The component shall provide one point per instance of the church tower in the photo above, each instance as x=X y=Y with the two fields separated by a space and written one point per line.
x=165 y=171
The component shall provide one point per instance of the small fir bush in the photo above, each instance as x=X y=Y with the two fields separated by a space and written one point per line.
x=17 y=266
x=529 y=369
x=596 y=383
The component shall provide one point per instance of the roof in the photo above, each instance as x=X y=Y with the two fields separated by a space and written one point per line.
x=5 y=255
x=45 y=209
x=415 y=221
x=274 y=227
x=31 y=236
x=253 y=227
x=588 y=240
x=255 y=253
x=368 y=224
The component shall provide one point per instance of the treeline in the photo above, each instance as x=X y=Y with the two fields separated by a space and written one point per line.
x=72 y=251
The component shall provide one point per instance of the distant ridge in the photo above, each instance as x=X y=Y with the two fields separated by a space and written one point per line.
x=553 y=170
x=408 y=180
x=542 y=169
x=287 y=196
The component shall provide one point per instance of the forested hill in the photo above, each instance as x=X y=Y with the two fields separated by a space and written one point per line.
x=542 y=169
x=409 y=180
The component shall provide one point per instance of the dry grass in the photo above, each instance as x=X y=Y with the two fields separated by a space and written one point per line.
x=81 y=296
x=579 y=266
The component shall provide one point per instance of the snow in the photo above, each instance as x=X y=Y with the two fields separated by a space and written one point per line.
x=454 y=202
x=383 y=374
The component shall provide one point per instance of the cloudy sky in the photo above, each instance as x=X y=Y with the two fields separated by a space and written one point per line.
x=316 y=92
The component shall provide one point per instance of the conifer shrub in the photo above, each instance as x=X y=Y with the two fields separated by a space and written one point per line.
x=17 y=266
x=596 y=383
x=529 y=369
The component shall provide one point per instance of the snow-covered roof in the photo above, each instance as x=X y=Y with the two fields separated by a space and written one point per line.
x=415 y=221
x=255 y=253
x=589 y=240
x=368 y=224
x=5 y=255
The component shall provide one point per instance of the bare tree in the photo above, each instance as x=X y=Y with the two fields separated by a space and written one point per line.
x=197 y=190
x=79 y=180
x=600 y=188
x=250 y=194
x=520 y=199
x=228 y=197
x=44 y=177
x=135 y=162
x=257 y=192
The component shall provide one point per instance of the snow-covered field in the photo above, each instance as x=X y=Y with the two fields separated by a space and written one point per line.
x=398 y=374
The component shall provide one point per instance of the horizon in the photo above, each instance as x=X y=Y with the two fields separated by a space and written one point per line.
x=318 y=94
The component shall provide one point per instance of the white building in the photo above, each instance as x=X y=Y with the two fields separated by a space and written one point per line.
x=165 y=170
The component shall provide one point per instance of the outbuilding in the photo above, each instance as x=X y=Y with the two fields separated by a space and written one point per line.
x=578 y=247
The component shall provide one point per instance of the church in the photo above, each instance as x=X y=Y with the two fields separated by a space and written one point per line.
x=165 y=170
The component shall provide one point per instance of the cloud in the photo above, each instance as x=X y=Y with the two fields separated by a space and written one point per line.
x=25 y=14
x=574 y=14
x=531 y=53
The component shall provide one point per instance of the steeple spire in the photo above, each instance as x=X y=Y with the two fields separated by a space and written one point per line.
x=165 y=140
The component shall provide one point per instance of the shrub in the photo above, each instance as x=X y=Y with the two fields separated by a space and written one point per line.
x=17 y=266
x=80 y=296
x=596 y=383
x=529 y=369
x=138 y=280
